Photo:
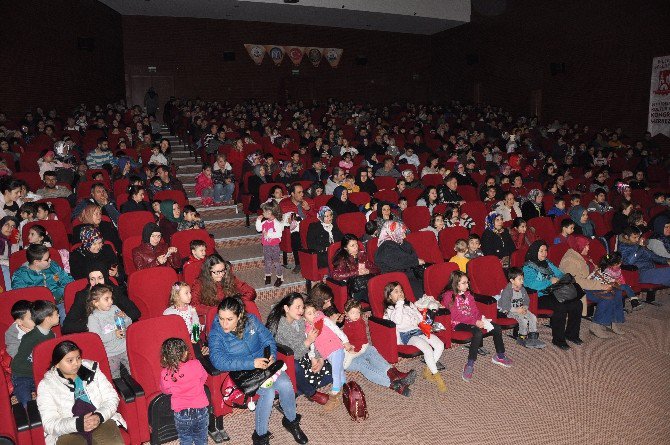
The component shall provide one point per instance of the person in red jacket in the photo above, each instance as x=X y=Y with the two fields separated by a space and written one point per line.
x=216 y=282
x=350 y=261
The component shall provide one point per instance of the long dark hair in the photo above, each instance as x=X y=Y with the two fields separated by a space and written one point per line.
x=61 y=350
x=342 y=253
x=277 y=311
x=208 y=285
x=236 y=306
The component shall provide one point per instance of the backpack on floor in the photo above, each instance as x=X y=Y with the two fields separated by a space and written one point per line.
x=354 y=401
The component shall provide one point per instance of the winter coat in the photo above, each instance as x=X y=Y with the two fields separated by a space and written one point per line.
x=574 y=264
x=230 y=353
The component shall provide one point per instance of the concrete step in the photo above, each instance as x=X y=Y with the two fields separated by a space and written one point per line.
x=256 y=278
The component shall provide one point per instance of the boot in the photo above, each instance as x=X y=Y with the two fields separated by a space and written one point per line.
x=268 y=280
x=635 y=304
x=524 y=340
x=435 y=379
x=404 y=378
x=333 y=400
x=536 y=342
x=278 y=281
x=599 y=331
x=616 y=328
x=319 y=398
x=294 y=428
x=400 y=388
x=215 y=429
x=260 y=440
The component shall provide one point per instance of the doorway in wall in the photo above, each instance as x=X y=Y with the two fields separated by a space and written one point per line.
x=139 y=85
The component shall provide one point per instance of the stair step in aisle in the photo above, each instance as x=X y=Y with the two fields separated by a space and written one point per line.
x=234 y=241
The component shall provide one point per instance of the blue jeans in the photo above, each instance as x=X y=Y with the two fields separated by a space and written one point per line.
x=23 y=389
x=191 y=424
x=372 y=365
x=628 y=290
x=7 y=277
x=657 y=275
x=223 y=192
x=607 y=311
x=336 y=360
x=266 y=398
x=61 y=312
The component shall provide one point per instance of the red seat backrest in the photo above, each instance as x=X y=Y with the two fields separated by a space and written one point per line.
x=27 y=293
x=182 y=241
x=376 y=290
x=56 y=230
x=387 y=195
x=596 y=251
x=121 y=187
x=91 y=348
x=63 y=210
x=353 y=223
x=17 y=259
x=412 y=196
x=32 y=178
x=425 y=246
x=359 y=198
x=127 y=252
x=416 y=218
x=486 y=275
x=437 y=277
x=191 y=271
x=320 y=201
x=434 y=179
x=447 y=239
x=150 y=289
x=385 y=182
x=132 y=223
x=71 y=290
x=477 y=211
x=175 y=195
x=468 y=192
x=264 y=190
x=544 y=228
x=556 y=252
x=518 y=257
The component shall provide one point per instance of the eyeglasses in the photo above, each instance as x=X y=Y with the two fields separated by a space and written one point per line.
x=218 y=272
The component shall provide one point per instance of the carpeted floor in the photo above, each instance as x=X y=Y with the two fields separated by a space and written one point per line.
x=606 y=392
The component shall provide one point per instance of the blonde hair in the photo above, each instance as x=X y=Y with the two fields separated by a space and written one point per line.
x=461 y=246
x=174 y=292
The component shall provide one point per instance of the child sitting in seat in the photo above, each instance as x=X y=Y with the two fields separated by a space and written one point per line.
x=609 y=272
x=191 y=219
x=23 y=323
x=180 y=304
x=407 y=317
x=514 y=303
x=331 y=343
x=558 y=209
x=198 y=252
x=461 y=248
x=474 y=247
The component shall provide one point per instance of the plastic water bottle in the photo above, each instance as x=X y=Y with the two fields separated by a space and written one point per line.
x=195 y=333
x=119 y=321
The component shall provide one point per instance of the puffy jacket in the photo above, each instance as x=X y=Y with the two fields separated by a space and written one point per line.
x=640 y=257
x=54 y=278
x=247 y=293
x=348 y=267
x=145 y=256
x=230 y=353
x=55 y=398
x=533 y=279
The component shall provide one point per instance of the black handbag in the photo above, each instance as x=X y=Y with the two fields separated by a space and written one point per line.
x=419 y=270
x=248 y=381
x=359 y=284
x=565 y=289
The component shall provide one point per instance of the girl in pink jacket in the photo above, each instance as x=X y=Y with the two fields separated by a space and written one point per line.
x=465 y=316
x=204 y=186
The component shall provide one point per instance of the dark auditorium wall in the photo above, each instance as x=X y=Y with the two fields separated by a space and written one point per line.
x=41 y=65
x=191 y=51
x=607 y=47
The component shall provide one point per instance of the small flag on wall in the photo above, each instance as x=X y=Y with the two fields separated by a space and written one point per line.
x=295 y=53
x=276 y=53
x=256 y=52
x=314 y=55
x=333 y=56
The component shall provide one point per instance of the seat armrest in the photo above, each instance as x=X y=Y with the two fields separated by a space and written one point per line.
x=629 y=267
x=308 y=251
x=33 y=414
x=442 y=311
x=123 y=389
x=134 y=386
x=21 y=417
x=382 y=321
x=484 y=299
x=285 y=350
x=337 y=282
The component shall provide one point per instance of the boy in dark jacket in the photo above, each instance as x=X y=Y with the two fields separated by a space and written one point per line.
x=514 y=302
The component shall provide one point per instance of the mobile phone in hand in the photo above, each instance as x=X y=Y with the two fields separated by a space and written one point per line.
x=267 y=352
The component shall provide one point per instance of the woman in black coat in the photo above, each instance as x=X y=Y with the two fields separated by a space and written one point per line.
x=364 y=182
x=395 y=255
x=322 y=234
x=254 y=186
x=340 y=203
x=77 y=318
x=496 y=240
x=93 y=253
x=136 y=202
x=533 y=206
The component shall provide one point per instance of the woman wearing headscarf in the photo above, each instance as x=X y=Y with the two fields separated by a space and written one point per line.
x=340 y=203
x=170 y=219
x=94 y=253
x=496 y=240
x=322 y=234
x=659 y=242
x=287 y=174
x=533 y=205
x=396 y=255
x=153 y=252
x=540 y=273
x=583 y=225
x=76 y=319
x=609 y=309
x=92 y=216
x=254 y=183
x=364 y=182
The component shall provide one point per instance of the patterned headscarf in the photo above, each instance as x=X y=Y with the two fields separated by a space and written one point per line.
x=531 y=196
x=321 y=214
x=393 y=231
x=89 y=235
x=489 y=222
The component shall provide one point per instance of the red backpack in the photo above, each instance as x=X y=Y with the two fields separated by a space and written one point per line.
x=354 y=401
